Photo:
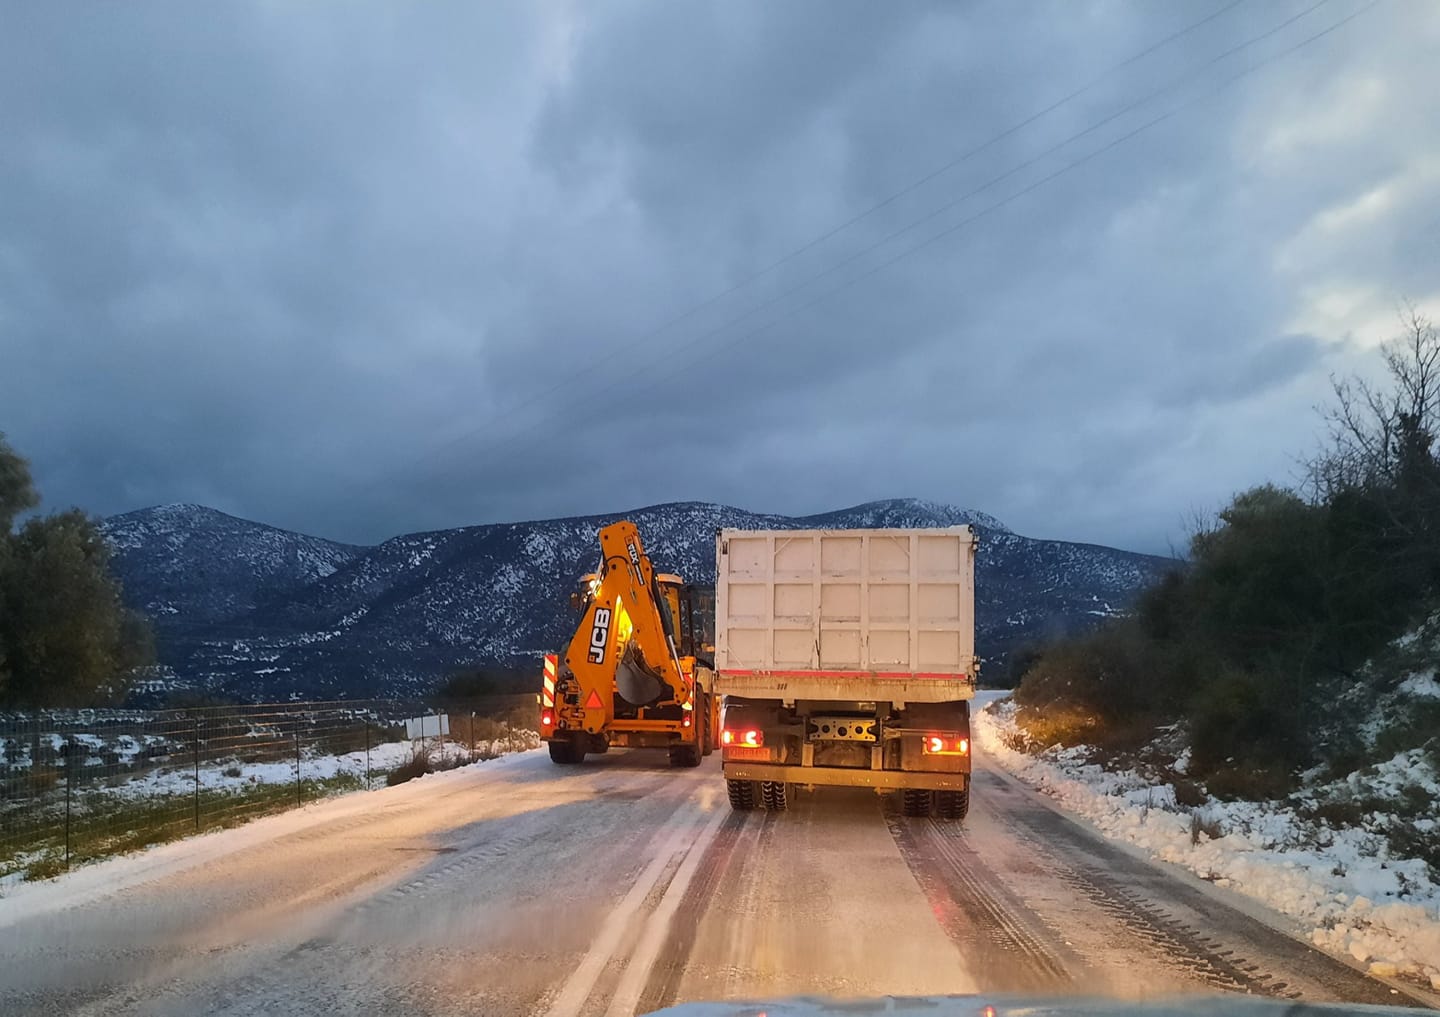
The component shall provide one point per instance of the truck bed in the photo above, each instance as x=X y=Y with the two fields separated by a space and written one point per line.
x=846 y=614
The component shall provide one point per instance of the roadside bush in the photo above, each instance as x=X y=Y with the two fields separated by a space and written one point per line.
x=1250 y=646
x=1100 y=688
x=1187 y=792
x=486 y=729
x=1409 y=839
x=1209 y=827
x=45 y=867
x=1418 y=725
x=416 y=766
x=1247 y=723
x=423 y=761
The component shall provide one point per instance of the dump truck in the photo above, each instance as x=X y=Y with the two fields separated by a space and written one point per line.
x=847 y=658
x=638 y=671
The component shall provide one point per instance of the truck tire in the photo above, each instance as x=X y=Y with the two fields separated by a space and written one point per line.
x=915 y=801
x=564 y=753
x=953 y=805
x=742 y=794
x=775 y=795
x=685 y=755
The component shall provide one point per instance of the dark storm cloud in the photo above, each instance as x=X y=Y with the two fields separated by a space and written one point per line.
x=364 y=269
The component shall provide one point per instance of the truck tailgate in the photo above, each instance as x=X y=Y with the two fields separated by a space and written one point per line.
x=846 y=614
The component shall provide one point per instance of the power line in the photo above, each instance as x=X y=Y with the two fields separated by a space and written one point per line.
x=834 y=231
x=1184 y=79
x=1176 y=83
x=952 y=229
x=961 y=159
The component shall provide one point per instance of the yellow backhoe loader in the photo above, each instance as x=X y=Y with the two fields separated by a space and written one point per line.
x=638 y=671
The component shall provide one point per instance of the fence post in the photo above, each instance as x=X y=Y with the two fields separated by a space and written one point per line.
x=440 y=730
x=69 y=778
x=297 y=761
x=197 y=774
x=472 y=736
x=367 y=753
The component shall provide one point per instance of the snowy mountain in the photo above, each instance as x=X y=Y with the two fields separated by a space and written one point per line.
x=261 y=613
x=185 y=565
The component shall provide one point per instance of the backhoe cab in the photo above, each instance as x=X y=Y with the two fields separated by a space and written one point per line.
x=637 y=672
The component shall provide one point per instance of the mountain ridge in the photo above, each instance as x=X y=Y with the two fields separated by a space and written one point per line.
x=254 y=611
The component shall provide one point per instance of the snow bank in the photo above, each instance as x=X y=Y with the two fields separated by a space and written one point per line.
x=1340 y=883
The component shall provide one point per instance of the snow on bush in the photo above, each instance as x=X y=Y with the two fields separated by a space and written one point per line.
x=1341 y=883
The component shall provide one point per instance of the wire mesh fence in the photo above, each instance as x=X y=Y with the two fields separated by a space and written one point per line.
x=81 y=785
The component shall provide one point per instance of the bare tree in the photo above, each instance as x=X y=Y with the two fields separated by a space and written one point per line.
x=1376 y=433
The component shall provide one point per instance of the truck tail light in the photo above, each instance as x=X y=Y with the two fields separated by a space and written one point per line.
x=946 y=745
x=547 y=719
x=751 y=737
x=686 y=721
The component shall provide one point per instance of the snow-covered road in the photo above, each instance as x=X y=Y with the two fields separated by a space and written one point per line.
x=617 y=887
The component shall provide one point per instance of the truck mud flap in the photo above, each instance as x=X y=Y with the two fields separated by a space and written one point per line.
x=833 y=776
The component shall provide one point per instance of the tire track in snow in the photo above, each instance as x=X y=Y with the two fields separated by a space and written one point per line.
x=675 y=840
x=984 y=920
x=664 y=983
x=1197 y=935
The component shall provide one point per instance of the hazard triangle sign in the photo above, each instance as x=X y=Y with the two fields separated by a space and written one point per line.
x=593 y=703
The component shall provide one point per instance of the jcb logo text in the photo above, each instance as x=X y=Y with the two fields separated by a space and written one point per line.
x=599 y=634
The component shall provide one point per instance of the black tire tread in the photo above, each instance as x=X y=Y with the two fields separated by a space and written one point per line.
x=915 y=801
x=952 y=804
x=564 y=753
x=742 y=795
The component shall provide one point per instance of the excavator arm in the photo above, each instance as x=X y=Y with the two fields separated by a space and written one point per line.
x=625 y=644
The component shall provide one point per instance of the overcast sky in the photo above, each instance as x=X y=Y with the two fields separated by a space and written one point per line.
x=363 y=269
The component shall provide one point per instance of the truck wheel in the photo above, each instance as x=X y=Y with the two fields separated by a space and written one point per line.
x=915 y=801
x=742 y=794
x=565 y=752
x=685 y=755
x=707 y=735
x=774 y=794
x=952 y=804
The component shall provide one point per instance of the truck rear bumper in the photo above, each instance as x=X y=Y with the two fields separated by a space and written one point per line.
x=619 y=739
x=832 y=776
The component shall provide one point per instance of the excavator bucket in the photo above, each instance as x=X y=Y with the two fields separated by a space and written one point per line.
x=637 y=684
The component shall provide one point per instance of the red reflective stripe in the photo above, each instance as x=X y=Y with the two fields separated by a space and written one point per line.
x=548 y=696
x=847 y=674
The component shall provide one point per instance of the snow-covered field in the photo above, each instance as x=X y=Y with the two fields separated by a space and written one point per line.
x=236 y=775
x=124 y=803
x=1341 y=884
